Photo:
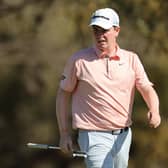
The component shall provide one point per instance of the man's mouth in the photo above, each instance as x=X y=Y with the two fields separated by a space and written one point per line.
x=101 y=41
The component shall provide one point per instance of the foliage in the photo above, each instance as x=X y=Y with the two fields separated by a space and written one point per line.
x=36 y=38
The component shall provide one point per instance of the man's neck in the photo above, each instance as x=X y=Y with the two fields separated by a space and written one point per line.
x=110 y=51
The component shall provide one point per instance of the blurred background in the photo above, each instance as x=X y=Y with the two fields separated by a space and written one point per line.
x=36 y=39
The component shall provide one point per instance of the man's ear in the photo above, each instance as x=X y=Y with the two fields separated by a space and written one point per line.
x=117 y=30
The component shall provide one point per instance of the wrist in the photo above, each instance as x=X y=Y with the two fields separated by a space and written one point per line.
x=64 y=133
x=154 y=111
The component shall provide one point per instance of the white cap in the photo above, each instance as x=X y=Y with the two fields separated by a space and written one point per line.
x=105 y=18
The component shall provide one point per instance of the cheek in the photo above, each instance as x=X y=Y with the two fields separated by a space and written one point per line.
x=112 y=33
x=109 y=35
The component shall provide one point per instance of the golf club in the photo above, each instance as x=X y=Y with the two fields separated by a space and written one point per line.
x=46 y=146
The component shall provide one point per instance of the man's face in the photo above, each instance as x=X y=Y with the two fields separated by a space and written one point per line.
x=105 y=38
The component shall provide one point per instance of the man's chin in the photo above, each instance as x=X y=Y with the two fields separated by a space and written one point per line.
x=102 y=48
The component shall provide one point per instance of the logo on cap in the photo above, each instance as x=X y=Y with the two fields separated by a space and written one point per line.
x=105 y=18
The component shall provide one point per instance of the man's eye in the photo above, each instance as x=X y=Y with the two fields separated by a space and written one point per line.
x=104 y=31
x=99 y=31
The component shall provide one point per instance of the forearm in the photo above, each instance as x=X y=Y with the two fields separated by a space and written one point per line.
x=62 y=111
x=152 y=101
x=151 y=98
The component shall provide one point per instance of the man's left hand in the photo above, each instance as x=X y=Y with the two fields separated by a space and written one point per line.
x=154 y=119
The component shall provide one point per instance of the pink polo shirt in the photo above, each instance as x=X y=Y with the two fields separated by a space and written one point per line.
x=102 y=88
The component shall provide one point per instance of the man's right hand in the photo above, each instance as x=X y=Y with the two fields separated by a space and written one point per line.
x=66 y=143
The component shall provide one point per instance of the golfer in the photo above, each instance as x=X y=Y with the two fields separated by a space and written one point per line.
x=101 y=80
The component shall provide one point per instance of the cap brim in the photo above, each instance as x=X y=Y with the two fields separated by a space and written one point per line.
x=100 y=23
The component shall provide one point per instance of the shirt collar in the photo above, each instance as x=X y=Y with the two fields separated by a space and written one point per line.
x=116 y=55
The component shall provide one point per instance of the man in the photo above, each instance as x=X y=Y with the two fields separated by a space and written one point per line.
x=102 y=80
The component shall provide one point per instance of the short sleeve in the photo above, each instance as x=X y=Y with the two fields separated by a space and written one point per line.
x=141 y=78
x=69 y=79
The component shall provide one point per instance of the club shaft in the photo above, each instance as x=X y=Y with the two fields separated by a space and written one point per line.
x=46 y=146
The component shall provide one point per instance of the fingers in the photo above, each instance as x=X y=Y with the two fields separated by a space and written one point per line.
x=154 y=119
x=154 y=124
x=67 y=147
x=66 y=144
